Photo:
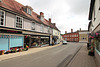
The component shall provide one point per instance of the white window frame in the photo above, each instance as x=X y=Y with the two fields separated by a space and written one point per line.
x=16 y=22
x=33 y=27
x=29 y=11
x=3 y=18
x=42 y=28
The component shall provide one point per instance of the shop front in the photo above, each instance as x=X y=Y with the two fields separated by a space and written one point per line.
x=36 y=39
x=10 y=39
x=54 y=40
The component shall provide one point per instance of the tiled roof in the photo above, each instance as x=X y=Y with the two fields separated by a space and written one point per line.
x=16 y=7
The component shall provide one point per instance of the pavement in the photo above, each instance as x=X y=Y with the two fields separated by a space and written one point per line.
x=30 y=51
x=82 y=59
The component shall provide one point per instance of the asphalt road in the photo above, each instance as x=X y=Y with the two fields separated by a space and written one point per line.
x=54 y=57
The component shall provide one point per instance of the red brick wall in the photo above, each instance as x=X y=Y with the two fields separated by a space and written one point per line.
x=71 y=37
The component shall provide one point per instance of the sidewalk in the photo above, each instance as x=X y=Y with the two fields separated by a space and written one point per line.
x=30 y=51
x=82 y=59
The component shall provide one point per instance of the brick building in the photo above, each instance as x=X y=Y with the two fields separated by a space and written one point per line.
x=71 y=37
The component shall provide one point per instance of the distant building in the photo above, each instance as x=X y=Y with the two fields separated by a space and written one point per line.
x=83 y=35
x=71 y=37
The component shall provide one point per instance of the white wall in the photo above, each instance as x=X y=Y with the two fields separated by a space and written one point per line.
x=10 y=20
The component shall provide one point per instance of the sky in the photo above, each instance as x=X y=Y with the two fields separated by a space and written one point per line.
x=67 y=14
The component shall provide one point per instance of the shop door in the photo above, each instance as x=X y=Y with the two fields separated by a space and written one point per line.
x=16 y=41
x=4 y=42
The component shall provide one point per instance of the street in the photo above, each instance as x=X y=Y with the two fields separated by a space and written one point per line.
x=58 y=56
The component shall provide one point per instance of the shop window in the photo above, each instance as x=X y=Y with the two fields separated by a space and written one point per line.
x=2 y=17
x=33 y=26
x=98 y=46
x=19 y=21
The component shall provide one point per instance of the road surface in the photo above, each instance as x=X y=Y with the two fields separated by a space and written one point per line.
x=58 y=56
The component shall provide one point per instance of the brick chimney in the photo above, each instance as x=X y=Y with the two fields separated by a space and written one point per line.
x=49 y=21
x=71 y=30
x=80 y=29
x=41 y=16
x=65 y=32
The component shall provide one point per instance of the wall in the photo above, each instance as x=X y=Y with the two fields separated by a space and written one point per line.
x=27 y=24
x=10 y=20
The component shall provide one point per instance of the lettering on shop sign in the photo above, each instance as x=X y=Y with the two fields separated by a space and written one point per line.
x=10 y=31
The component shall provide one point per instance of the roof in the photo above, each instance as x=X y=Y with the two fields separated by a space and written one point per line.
x=16 y=7
x=83 y=31
x=91 y=9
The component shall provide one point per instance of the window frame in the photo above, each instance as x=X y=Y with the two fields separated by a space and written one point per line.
x=16 y=22
x=42 y=28
x=3 y=19
x=33 y=26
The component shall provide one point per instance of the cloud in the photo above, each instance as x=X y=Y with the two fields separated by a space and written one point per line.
x=66 y=14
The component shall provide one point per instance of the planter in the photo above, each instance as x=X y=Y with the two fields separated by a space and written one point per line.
x=7 y=52
x=2 y=52
x=91 y=53
x=25 y=49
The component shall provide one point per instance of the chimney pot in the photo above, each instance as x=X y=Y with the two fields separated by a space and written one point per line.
x=71 y=30
x=65 y=32
x=80 y=29
x=49 y=20
x=42 y=14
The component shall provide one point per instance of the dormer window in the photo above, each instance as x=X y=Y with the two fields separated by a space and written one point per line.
x=28 y=10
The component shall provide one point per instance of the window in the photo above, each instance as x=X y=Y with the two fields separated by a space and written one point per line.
x=33 y=26
x=48 y=30
x=2 y=17
x=19 y=21
x=41 y=28
x=25 y=9
x=29 y=11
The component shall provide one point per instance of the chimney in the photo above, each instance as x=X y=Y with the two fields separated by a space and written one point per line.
x=71 y=30
x=41 y=14
x=80 y=29
x=65 y=32
x=49 y=21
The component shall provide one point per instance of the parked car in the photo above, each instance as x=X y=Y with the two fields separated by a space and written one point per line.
x=64 y=42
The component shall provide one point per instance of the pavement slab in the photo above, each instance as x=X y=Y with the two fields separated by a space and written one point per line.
x=82 y=59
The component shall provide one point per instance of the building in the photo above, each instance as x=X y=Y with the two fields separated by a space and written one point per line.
x=94 y=27
x=83 y=36
x=20 y=25
x=56 y=34
x=71 y=37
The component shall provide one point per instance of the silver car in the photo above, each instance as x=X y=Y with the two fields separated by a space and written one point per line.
x=64 y=42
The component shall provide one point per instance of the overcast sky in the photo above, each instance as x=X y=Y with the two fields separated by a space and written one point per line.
x=67 y=14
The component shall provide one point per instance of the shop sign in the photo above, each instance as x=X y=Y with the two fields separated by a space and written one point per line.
x=10 y=31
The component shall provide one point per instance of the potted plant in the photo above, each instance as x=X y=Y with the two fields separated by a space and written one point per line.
x=2 y=52
x=8 y=51
x=13 y=50
x=26 y=48
x=21 y=49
